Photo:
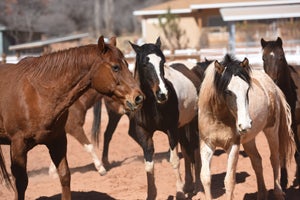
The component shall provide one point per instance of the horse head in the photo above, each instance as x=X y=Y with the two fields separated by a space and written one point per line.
x=233 y=82
x=274 y=61
x=149 y=70
x=113 y=78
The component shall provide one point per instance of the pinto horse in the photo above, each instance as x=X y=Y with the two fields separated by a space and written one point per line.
x=37 y=93
x=276 y=66
x=170 y=106
x=235 y=104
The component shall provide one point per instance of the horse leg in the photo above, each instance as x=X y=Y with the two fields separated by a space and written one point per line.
x=144 y=139
x=79 y=135
x=74 y=127
x=297 y=153
x=189 y=142
x=188 y=184
x=229 y=182
x=275 y=162
x=113 y=120
x=256 y=162
x=198 y=183
x=18 y=154
x=58 y=151
x=173 y=135
x=183 y=140
x=206 y=153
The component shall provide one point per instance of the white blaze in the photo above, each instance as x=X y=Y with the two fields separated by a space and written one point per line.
x=155 y=60
x=239 y=87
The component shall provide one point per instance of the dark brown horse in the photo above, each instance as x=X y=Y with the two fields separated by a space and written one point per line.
x=276 y=66
x=36 y=94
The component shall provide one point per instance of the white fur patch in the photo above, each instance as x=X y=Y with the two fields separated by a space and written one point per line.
x=88 y=147
x=239 y=87
x=186 y=94
x=155 y=60
x=149 y=166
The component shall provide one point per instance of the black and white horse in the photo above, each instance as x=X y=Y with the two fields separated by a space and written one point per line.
x=170 y=106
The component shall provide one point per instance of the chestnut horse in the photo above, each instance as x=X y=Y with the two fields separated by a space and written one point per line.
x=170 y=106
x=76 y=120
x=276 y=66
x=234 y=106
x=37 y=93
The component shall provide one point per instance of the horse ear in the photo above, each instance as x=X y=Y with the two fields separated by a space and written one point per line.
x=245 y=63
x=158 y=42
x=279 y=41
x=101 y=44
x=263 y=43
x=113 y=41
x=135 y=47
x=219 y=67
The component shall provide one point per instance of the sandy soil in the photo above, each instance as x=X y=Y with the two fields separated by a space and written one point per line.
x=126 y=178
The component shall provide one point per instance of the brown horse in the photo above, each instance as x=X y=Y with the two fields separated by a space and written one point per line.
x=76 y=120
x=37 y=93
x=276 y=66
x=234 y=106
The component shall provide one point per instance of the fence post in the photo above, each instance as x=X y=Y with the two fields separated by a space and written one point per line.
x=3 y=58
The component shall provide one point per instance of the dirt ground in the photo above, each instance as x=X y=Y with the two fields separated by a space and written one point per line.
x=126 y=178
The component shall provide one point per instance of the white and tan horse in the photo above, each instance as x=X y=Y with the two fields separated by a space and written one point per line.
x=235 y=104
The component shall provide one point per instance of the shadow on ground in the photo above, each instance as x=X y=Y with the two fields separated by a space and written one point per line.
x=92 y=195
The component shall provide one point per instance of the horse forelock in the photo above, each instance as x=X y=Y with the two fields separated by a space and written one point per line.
x=232 y=68
x=150 y=66
x=214 y=84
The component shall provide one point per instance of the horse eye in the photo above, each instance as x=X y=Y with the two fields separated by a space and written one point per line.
x=116 y=68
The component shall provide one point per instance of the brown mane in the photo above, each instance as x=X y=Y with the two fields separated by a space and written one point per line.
x=53 y=65
x=208 y=91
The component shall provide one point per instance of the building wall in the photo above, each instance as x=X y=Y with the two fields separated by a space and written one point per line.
x=197 y=27
x=190 y=39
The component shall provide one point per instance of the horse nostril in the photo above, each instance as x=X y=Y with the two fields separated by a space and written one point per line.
x=139 y=99
x=161 y=96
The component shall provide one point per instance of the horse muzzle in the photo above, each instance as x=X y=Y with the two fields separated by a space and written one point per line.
x=244 y=127
x=161 y=98
x=136 y=104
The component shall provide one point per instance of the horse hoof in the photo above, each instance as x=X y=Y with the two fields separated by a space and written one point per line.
x=180 y=195
x=102 y=171
x=52 y=171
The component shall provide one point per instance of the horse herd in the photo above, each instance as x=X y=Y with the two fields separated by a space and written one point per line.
x=212 y=104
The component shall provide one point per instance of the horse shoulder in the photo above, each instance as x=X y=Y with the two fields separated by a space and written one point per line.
x=186 y=93
x=262 y=101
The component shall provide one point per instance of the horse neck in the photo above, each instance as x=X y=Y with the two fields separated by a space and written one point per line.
x=68 y=72
x=210 y=103
x=285 y=78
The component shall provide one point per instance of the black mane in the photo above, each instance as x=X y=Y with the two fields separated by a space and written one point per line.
x=232 y=67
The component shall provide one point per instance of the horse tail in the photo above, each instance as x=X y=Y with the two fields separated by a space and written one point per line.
x=286 y=136
x=96 y=121
x=3 y=172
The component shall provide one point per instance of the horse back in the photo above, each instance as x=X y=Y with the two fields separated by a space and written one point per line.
x=186 y=85
x=264 y=104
